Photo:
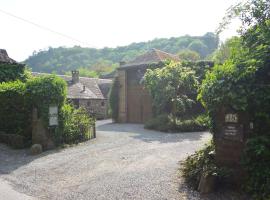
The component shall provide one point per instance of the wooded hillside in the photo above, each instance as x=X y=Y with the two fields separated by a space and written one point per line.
x=94 y=62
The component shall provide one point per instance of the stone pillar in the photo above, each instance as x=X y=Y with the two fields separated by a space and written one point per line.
x=231 y=130
x=40 y=134
x=122 y=117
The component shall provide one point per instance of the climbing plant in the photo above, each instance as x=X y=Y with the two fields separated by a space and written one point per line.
x=173 y=89
x=12 y=72
x=114 y=99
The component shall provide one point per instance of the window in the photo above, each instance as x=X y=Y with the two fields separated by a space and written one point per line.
x=102 y=103
x=89 y=103
x=76 y=103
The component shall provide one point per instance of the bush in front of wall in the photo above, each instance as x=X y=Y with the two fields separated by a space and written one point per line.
x=160 y=123
x=15 y=115
x=75 y=125
x=256 y=162
x=202 y=163
x=165 y=123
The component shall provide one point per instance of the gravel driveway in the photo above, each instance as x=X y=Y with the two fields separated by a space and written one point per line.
x=123 y=162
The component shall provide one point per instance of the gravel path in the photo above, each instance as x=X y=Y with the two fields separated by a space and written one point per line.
x=123 y=162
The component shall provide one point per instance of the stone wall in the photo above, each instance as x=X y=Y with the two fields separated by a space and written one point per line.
x=99 y=107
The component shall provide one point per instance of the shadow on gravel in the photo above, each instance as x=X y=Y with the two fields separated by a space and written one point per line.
x=137 y=131
x=12 y=159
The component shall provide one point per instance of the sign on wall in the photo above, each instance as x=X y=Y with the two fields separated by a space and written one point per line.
x=232 y=129
x=53 y=115
x=232 y=118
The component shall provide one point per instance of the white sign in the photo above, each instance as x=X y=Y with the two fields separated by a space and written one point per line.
x=53 y=115
x=233 y=118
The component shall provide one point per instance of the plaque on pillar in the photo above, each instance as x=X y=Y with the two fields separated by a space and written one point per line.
x=232 y=128
x=53 y=116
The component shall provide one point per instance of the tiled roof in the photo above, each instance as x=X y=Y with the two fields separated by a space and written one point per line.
x=99 y=87
x=4 y=57
x=153 y=56
x=80 y=91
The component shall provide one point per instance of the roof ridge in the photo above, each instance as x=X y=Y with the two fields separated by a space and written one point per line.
x=164 y=52
x=156 y=52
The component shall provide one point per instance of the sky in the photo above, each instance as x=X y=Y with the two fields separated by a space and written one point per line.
x=104 y=23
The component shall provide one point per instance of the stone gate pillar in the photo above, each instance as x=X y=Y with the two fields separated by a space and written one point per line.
x=40 y=134
x=231 y=130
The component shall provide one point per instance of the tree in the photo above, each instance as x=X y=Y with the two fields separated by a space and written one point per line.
x=188 y=55
x=227 y=50
x=172 y=88
x=62 y=60
x=199 y=47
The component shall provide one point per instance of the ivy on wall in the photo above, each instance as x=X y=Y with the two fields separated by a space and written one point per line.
x=14 y=111
x=41 y=92
x=114 y=99
x=12 y=72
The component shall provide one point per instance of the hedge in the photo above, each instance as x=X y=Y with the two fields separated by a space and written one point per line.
x=15 y=111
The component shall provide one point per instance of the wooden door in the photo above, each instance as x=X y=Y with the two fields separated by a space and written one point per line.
x=134 y=104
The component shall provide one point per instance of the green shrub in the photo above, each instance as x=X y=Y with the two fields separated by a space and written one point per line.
x=166 y=124
x=114 y=99
x=75 y=126
x=160 y=123
x=256 y=162
x=202 y=162
x=15 y=115
x=12 y=72
x=189 y=125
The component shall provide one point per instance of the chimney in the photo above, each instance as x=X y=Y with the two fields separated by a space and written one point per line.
x=3 y=52
x=84 y=88
x=75 y=76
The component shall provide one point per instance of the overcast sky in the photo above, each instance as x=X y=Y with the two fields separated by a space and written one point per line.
x=100 y=23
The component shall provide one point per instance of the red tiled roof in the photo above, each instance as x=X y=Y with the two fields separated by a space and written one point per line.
x=154 y=56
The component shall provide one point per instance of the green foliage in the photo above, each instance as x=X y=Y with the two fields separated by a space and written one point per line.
x=228 y=50
x=200 y=123
x=256 y=162
x=41 y=92
x=160 y=123
x=242 y=81
x=198 y=46
x=165 y=123
x=202 y=163
x=75 y=125
x=17 y=100
x=173 y=88
x=14 y=111
x=12 y=72
x=188 y=55
x=114 y=100
x=200 y=68
x=62 y=60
